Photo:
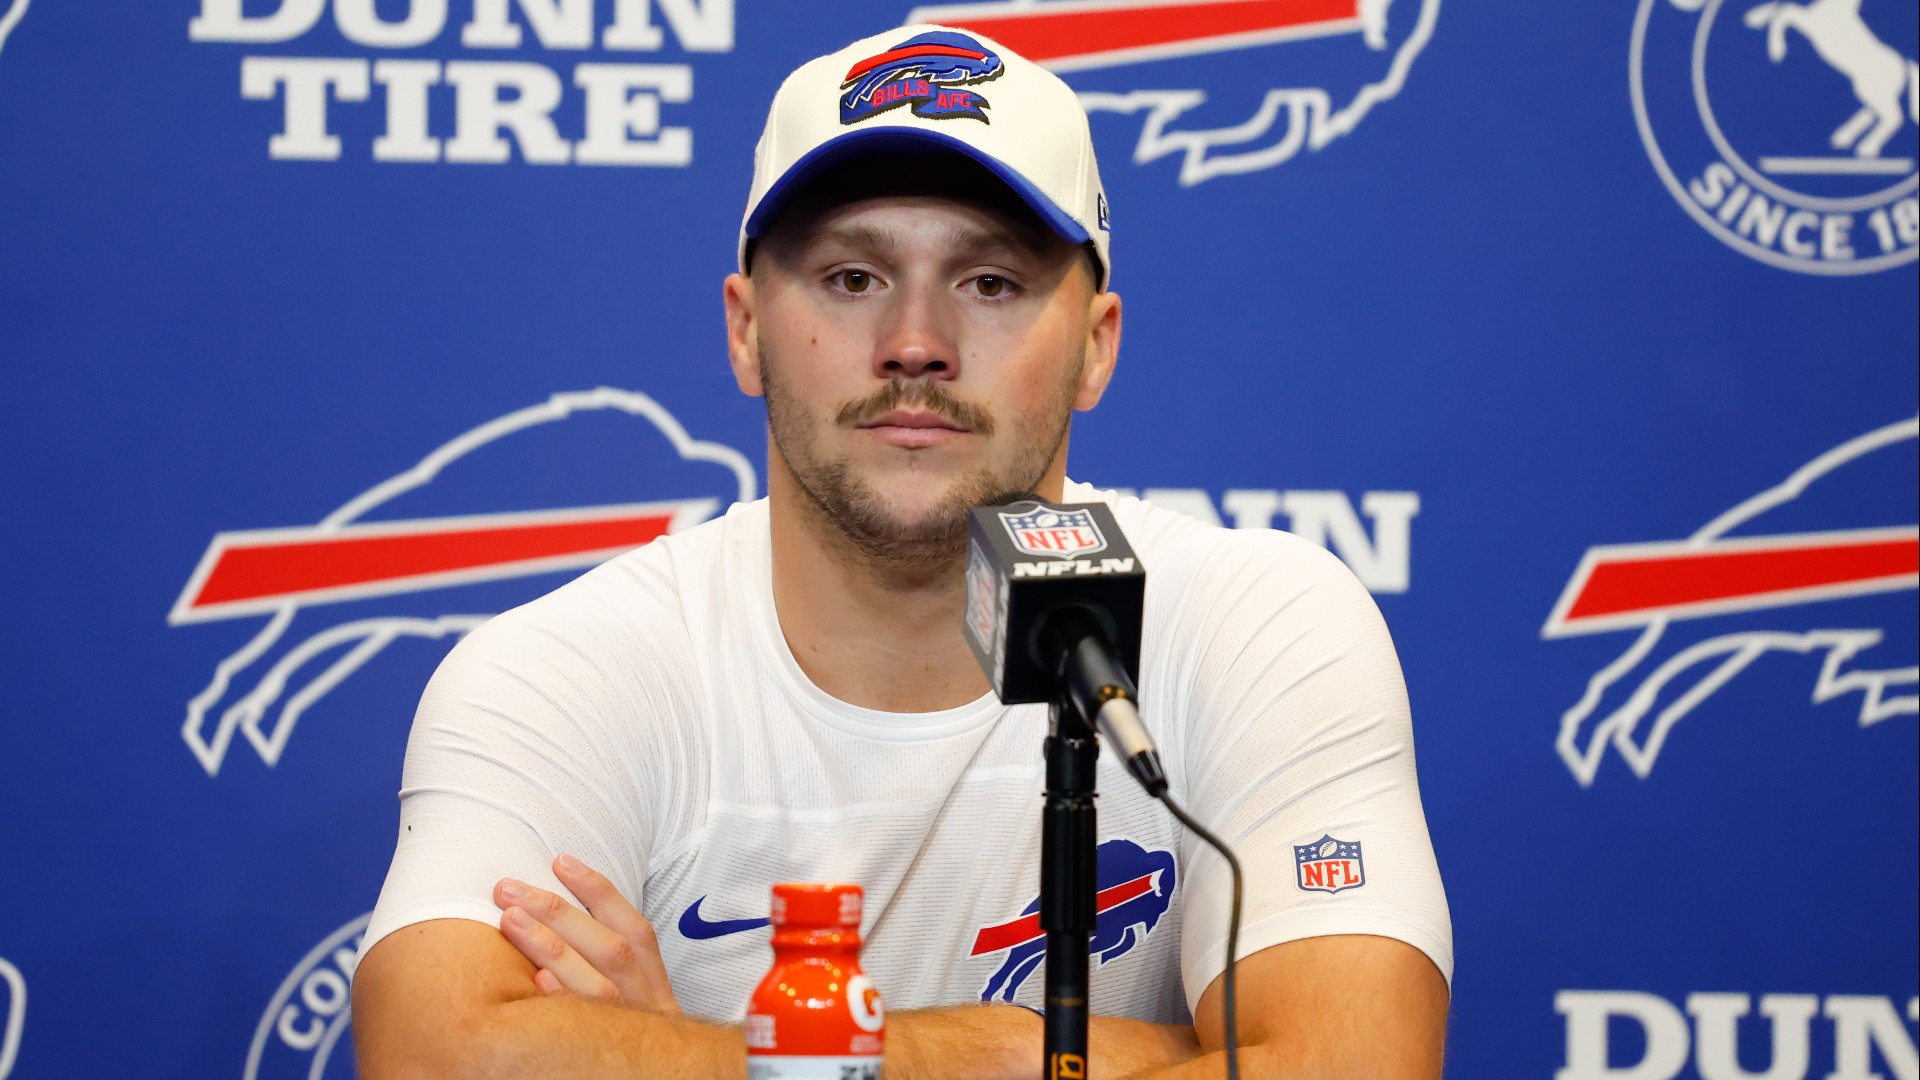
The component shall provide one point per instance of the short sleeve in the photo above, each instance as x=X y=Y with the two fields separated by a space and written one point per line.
x=525 y=745
x=1299 y=753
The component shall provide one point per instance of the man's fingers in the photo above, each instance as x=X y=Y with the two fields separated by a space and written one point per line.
x=560 y=961
x=607 y=952
x=649 y=987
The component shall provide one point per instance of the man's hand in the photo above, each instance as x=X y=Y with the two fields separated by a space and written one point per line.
x=607 y=952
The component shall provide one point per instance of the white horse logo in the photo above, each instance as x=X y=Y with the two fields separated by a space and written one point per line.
x=1843 y=39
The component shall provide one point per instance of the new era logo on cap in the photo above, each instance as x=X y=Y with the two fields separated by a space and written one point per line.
x=917 y=88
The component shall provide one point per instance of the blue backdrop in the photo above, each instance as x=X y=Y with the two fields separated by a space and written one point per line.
x=1585 y=333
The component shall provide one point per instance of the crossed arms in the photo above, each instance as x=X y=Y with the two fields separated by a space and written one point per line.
x=563 y=992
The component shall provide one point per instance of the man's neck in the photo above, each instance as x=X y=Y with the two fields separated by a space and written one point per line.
x=875 y=633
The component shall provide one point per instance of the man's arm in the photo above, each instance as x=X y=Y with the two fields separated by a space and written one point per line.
x=1350 y=1006
x=453 y=998
x=433 y=995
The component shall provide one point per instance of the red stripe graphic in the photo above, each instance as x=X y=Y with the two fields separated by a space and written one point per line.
x=1041 y=35
x=911 y=52
x=291 y=563
x=1027 y=927
x=1626 y=584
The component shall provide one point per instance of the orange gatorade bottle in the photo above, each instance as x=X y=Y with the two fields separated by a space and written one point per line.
x=815 y=1016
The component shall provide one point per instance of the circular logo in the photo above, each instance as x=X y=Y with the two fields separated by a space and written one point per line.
x=1786 y=128
x=309 y=1014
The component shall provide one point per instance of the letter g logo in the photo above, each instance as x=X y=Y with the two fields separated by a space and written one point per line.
x=863 y=1001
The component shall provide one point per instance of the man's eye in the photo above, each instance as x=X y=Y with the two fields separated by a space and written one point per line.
x=991 y=284
x=855 y=281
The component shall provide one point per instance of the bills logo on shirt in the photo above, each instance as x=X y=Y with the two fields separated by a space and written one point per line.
x=1136 y=890
x=1058 y=534
x=1328 y=865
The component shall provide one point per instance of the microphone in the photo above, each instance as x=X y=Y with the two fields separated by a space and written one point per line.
x=1055 y=602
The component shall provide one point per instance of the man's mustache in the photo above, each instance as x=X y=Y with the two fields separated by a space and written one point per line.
x=932 y=397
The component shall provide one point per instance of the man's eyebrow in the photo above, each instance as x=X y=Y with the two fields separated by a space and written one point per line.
x=852 y=236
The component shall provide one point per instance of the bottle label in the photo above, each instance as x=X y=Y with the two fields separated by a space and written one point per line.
x=784 y=1067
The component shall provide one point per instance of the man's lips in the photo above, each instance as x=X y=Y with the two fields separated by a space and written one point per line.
x=913 y=430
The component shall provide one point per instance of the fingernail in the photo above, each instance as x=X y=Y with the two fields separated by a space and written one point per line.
x=570 y=864
x=510 y=887
x=517 y=917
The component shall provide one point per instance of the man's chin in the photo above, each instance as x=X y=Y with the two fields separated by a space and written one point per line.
x=915 y=516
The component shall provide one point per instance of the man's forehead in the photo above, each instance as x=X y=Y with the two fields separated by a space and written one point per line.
x=932 y=179
x=891 y=222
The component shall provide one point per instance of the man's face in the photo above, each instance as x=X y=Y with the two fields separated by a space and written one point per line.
x=919 y=356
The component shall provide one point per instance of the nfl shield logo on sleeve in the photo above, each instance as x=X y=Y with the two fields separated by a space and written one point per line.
x=1328 y=865
x=1058 y=534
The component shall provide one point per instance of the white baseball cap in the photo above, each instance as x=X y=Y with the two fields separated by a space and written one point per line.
x=925 y=87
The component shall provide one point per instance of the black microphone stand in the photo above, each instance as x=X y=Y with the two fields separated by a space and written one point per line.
x=1069 y=880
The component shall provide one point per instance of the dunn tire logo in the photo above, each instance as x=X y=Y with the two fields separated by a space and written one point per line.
x=1786 y=128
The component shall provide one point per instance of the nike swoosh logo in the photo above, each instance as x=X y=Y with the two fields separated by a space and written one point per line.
x=698 y=929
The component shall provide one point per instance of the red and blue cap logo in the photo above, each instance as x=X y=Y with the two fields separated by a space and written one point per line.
x=928 y=72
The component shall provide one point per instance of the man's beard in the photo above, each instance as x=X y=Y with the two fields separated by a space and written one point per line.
x=859 y=512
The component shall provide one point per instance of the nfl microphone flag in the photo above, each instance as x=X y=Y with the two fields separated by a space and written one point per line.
x=1026 y=561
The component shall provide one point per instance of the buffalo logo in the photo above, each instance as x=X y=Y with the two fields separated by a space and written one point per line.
x=16 y=1020
x=926 y=71
x=1328 y=865
x=1755 y=558
x=391 y=561
x=308 y=1016
x=1136 y=890
x=1059 y=534
x=1786 y=128
x=1343 y=58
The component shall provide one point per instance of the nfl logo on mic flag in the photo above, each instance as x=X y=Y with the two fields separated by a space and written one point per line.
x=1010 y=592
x=1328 y=865
x=1058 y=534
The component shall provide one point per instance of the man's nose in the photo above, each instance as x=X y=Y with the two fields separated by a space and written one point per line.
x=917 y=338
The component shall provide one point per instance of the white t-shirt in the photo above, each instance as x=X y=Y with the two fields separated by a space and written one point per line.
x=650 y=719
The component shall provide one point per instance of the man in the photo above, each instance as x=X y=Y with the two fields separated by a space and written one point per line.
x=601 y=786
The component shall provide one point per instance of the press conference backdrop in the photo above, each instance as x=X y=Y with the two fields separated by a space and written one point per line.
x=1584 y=333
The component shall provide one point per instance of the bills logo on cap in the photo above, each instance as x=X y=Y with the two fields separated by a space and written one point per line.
x=1328 y=865
x=926 y=71
x=1058 y=534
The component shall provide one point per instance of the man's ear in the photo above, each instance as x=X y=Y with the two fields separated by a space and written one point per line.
x=1102 y=349
x=743 y=334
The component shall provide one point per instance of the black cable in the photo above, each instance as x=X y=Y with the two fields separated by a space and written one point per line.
x=1233 y=926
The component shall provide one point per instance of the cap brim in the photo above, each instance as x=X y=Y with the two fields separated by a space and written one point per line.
x=881 y=140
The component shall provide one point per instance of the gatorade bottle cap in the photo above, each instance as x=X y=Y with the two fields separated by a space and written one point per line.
x=804 y=905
